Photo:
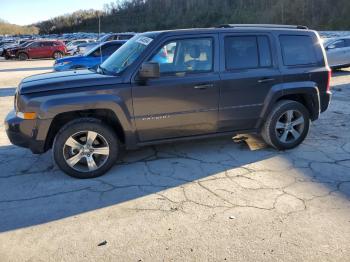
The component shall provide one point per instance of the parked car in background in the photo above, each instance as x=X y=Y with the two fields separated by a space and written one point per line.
x=72 y=47
x=4 y=45
x=338 y=52
x=10 y=51
x=107 y=37
x=39 y=49
x=91 y=59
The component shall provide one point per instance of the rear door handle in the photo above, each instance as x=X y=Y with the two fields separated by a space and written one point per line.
x=265 y=80
x=203 y=86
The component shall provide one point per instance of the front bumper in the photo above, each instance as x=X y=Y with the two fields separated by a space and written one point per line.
x=24 y=133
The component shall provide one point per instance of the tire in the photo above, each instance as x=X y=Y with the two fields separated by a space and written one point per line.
x=283 y=129
x=76 y=67
x=57 y=55
x=73 y=158
x=23 y=56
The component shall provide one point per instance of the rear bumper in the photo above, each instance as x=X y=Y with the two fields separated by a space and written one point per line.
x=325 y=100
x=24 y=133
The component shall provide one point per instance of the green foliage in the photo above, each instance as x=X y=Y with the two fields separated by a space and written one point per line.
x=145 y=15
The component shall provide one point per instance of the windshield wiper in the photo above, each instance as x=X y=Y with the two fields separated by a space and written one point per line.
x=104 y=71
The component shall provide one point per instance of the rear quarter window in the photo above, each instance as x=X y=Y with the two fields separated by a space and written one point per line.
x=247 y=52
x=298 y=50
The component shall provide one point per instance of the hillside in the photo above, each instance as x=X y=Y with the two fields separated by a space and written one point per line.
x=144 y=15
x=6 y=28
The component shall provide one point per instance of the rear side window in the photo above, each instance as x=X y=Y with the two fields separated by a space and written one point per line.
x=347 y=42
x=108 y=50
x=47 y=44
x=297 y=50
x=247 y=52
x=125 y=37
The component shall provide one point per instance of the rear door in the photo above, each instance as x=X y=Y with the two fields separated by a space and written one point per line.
x=47 y=49
x=184 y=100
x=248 y=71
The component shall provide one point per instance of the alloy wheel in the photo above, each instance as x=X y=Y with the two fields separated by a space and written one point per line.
x=57 y=55
x=86 y=151
x=290 y=126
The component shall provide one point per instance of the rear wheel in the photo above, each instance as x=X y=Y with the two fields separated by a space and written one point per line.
x=287 y=125
x=23 y=56
x=85 y=148
x=57 y=55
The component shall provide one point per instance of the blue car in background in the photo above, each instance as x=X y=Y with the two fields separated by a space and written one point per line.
x=90 y=59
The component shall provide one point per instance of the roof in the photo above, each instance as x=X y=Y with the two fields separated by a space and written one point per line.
x=263 y=26
x=235 y=27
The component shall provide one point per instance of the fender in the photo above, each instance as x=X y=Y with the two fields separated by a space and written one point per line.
x=57 y=105
x=307 y=89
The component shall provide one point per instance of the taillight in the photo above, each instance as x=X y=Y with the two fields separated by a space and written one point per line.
x=329 y=79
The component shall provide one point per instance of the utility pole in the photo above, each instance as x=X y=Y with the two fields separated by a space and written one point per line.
x=282 y=11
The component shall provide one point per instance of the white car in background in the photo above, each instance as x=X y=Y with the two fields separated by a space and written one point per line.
x=338 y=52
x=72 y=47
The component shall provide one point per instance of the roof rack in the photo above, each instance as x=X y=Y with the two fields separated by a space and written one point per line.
x=263 y=26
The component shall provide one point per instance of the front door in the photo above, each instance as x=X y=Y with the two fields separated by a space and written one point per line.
x=35 y=50
x=248 y=71
x=184 y=100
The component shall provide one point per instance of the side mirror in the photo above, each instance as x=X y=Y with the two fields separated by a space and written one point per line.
x=149 y=70
x=330 y=47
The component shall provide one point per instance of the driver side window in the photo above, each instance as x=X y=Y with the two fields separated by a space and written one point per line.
x=186 y=56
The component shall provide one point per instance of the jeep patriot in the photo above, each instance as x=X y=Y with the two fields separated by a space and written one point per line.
x=175 y=85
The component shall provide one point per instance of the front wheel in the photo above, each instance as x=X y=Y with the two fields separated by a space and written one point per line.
x=23 y=56
x=85 y=148
x=287 y=125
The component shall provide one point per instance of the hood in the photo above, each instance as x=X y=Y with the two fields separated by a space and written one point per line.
x=13 y=48
x=68 y=59
x=65 y=80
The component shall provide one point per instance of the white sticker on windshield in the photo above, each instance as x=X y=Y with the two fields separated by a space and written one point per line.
x=143 y=40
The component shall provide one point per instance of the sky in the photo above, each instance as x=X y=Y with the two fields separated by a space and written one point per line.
x=25 y=12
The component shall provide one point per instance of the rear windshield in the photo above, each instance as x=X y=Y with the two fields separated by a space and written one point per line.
x=298 y=50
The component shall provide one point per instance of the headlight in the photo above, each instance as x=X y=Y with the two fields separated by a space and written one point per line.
x=26 y=115
x=63 y=63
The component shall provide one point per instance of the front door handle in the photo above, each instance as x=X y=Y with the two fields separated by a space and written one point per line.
x=265 y=80
x=203 y=86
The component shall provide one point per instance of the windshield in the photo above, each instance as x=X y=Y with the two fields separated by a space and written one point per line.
x=25 y=44
x=127 y=54
x=90 y=51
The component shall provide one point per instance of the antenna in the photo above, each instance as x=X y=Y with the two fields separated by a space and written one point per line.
x=99 y=38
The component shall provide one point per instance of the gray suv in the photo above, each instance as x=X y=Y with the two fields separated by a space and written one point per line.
x=176 y=85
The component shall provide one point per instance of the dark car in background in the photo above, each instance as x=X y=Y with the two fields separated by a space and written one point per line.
x=90 y=59
x=6 y=44
x=10 y=51
x=38 y=49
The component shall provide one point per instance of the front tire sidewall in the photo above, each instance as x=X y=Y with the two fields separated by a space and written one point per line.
x=57 y=55
x=274 y=117
x=85 y=125
x=23 y=56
